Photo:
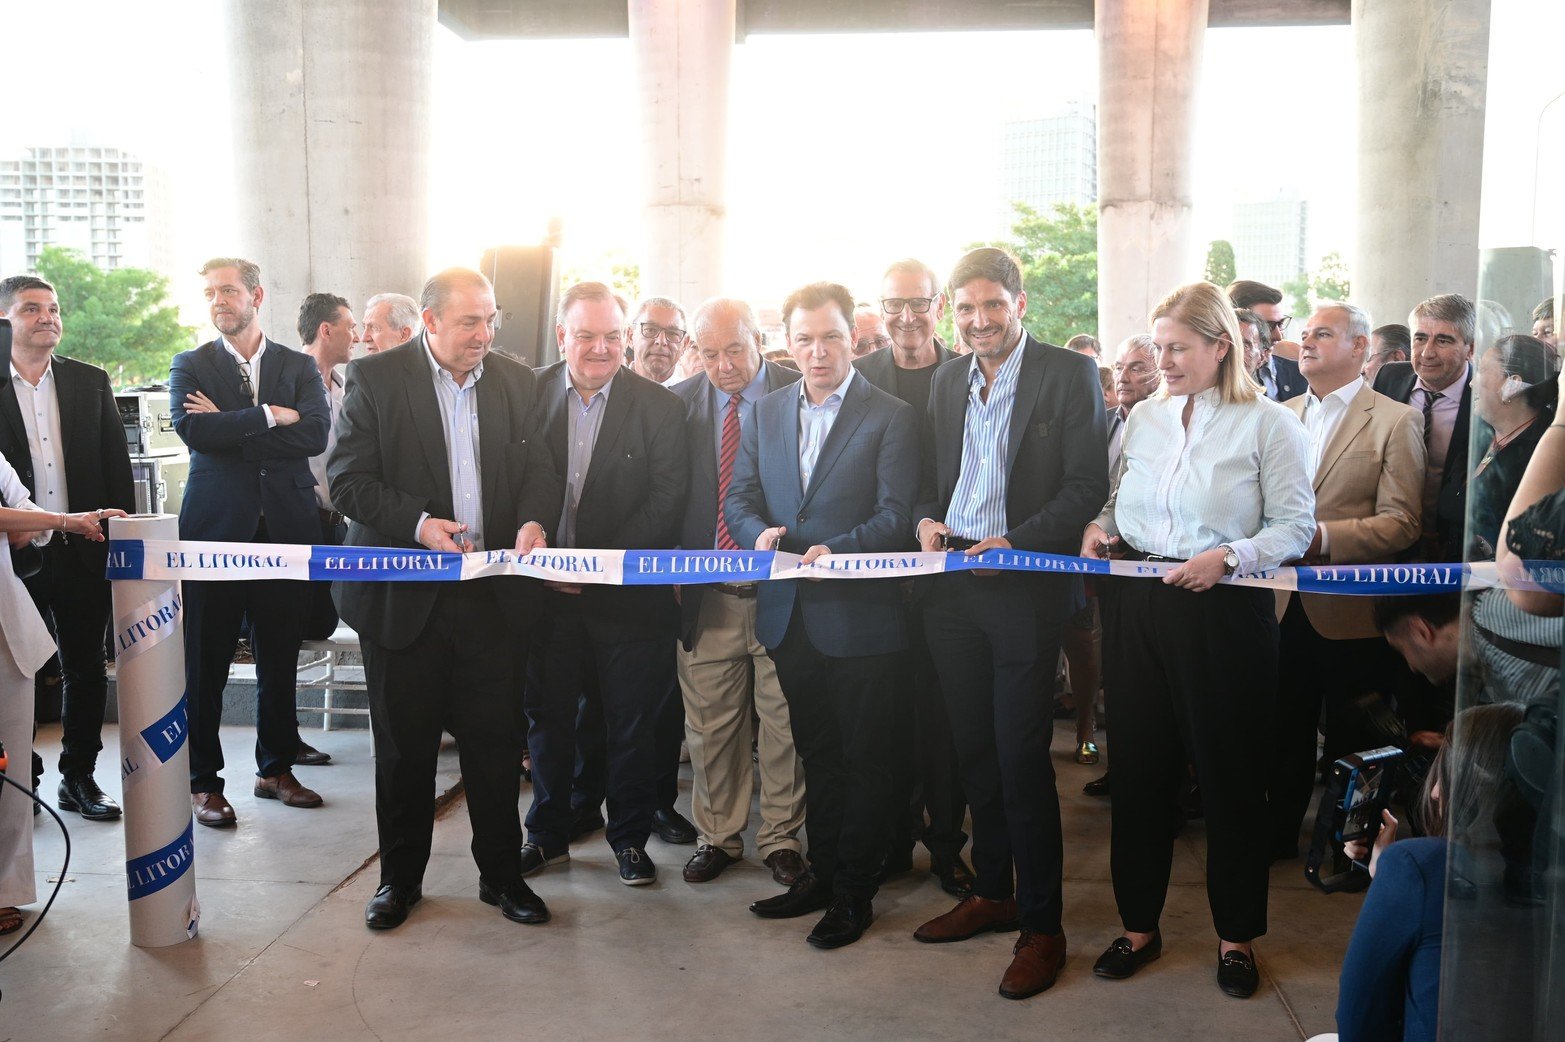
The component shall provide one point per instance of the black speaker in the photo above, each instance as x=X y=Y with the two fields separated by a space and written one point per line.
x=524 y=290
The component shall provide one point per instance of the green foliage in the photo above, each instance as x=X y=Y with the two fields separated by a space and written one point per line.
x=1058 y=252
x=614 y=267
x=1220 y=263
x=118 y=319
x=1329 y=281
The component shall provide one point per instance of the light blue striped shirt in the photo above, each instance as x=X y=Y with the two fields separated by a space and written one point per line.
x=584 y=419
x=977 y=508
x=459 y=422
x=815 y=423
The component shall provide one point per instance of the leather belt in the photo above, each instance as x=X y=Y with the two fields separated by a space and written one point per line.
x=330 y=517
x=1130 y=553
x=743 y=590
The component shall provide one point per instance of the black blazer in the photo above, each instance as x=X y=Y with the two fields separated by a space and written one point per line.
x=699 y=531
x=1397 y=380
x=97 y=457
x=240 y=469
x=1057 y=474
x=390 y=465
x=634 y=495
x=1290 y=382
x=880 y=369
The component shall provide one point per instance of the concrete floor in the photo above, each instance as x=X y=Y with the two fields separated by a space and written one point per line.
x=283 y=952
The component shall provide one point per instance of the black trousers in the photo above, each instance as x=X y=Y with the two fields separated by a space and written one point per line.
x=214 y=612
x=590 y=786
x=1194 y=681
x=631 y=678
x=460 y=675
x=992 y=651
x=924 y=765
x=75 y=603
x=322 y=622
x=841 y=711
x=1312 y=669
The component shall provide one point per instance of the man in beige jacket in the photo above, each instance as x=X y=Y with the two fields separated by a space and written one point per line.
x=1367 y=453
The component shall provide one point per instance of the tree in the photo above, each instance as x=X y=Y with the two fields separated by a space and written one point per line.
x=1220 y=263
x=1058 y=252
x=119 y=319
x=1329 y=281
x=613 y=267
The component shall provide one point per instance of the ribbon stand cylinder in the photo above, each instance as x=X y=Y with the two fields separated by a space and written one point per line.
x=149 y=649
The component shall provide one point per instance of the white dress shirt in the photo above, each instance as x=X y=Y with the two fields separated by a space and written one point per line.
x=815 y=423
x=1322 y=417
x=334 y=394
x=1238 y=475
x=40 y=405
x=254 y=364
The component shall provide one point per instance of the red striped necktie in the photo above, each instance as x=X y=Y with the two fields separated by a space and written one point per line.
x=725 y=469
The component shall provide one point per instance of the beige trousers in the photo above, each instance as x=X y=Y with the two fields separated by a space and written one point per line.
x=17 y=882
x=726 y=672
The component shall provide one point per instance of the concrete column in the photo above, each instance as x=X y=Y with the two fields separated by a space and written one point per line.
x=331 y=108
x=1149 y=58
x=1422 y=73
x=682 y=50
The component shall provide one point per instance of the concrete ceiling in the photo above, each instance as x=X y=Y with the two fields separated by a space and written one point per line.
x=541 y=19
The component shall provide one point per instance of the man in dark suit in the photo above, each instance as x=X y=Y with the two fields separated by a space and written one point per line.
x=724 y=672
x=1438 y=383
x=252 y=412
x=436 y=449
x=62 y=435
x=1019 y=459
x=618 y=442
x=1276 y=372
x=831 y=467
x=925 y=767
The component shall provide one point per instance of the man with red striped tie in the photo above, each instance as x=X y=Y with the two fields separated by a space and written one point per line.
x=723 y=669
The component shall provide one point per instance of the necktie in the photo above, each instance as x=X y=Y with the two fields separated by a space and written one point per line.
x=244 y=381
x=1430 y=397
x=725 y=469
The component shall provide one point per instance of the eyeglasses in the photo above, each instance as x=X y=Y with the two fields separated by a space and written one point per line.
x=894 y=305
x=652 y=331
x=1280 y=324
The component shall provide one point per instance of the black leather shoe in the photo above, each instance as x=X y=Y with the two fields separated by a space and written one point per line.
x=1097 y=786
x=389 y=907
x=534 y=860
x=673 y=827
x=1120 y=961
x=896 y=863
x=844 y=922
x=1237 y=975
x=635 y=868
x=517 y=902
x=309 y=756
x=587 y=821
x=955 y=877
x=707 y=864
x=808 y=895
x=79 y=792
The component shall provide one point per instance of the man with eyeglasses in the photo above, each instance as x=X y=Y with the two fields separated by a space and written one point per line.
x=657 y=340
x=925 y=774
x=869 y=330
x=1279 y=374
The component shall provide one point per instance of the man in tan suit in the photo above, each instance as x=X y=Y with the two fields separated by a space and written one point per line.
x=1367 y=452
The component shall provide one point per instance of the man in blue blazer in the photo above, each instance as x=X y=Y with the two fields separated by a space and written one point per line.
x=831 y=466
x=252 y=412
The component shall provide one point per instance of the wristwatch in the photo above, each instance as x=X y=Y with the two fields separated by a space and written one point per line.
x=1230 y=559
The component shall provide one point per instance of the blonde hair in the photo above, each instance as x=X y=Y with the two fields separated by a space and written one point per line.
x=1206 y=309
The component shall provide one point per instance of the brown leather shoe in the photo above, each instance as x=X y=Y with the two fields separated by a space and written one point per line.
x=286 y=788
x=212 y=809
x=971 y=917
x=1039 y=957
x=707 y=864
x=786 y=865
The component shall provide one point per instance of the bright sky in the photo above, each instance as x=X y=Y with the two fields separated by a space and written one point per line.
x=834 y=165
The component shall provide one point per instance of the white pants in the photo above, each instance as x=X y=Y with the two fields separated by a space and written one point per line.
x=18 y=885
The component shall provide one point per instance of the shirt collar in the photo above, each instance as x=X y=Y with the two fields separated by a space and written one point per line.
x=1012 y=363
x=231 y=349
x=438 y=370
x=753 y=391
x=1457 y=386
x=48 y=373
x=840 y=393
x=602 y=392
x=1343 y=394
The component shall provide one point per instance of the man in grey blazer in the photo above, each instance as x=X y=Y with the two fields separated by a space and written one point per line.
x=831 y=466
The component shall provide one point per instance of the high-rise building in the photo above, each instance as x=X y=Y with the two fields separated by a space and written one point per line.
x=1269 y=239
x=1049 y=160
x=103 y=202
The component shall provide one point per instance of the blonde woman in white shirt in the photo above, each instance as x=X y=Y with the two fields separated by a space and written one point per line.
x=1214 y=479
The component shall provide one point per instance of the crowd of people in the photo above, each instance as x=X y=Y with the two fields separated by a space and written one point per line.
x=875 y=713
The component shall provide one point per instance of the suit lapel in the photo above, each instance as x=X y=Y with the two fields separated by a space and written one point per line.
x=615 y=410
x=425 y=410
x=65 y=392
x=1028 y=381
x=493 y=408
x=855 y=406
x=1360 y=410
x=226 y=366
x=272 y=362
x=10 y=410
x=710 y=405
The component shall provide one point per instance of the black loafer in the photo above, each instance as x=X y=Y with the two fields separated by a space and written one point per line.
x=1120 y=961
x=955 y=877
x=895 y=864
x=844 y=922
x=1237 y=975
x=534 y=860
x=707 y=864
x=389 y=907
x=673 y=827
x=807 y=895
x=585 y=822
x=309 y=756
x=516 y=900
x=79 y=792
x=1097 y=786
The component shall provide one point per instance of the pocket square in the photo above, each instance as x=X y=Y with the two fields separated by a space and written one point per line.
x=1041 y=429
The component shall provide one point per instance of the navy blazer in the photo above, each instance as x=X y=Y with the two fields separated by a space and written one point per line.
x=240 y=469
x=1396 y=380
x=699 y=531
x=1290 y=382
x=859 y=501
